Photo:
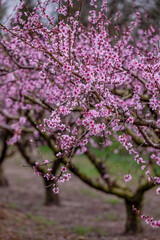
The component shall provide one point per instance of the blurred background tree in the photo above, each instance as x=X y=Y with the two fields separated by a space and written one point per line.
x=3 y=9
x=128 y=7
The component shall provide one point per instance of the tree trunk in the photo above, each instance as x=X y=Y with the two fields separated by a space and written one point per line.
x=3 y=179
x=50 y=197
x=133 y=222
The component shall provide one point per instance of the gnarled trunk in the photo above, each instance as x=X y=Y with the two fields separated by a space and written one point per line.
x=133 y=221
x=50 y=197
x=3 y=179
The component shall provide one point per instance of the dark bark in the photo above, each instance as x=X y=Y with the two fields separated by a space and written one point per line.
x=133 y=220
x=3 y=179
x=50 y=197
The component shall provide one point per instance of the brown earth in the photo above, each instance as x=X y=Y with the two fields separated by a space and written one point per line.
x=85 y=214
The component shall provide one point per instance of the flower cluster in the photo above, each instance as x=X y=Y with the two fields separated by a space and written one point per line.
x=148 y=219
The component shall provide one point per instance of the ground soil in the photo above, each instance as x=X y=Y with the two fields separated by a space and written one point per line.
x=85 y=214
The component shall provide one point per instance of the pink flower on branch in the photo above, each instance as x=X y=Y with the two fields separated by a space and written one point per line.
x=127 y=177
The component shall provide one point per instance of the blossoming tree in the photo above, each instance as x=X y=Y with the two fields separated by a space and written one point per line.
x=94 y=85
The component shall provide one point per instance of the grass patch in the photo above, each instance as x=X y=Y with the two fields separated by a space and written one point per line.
x=111 y=216
x=117 y=164
x=89 y=192
x=41 y=220
x=82 y=230
x=85 y=166
x=12 y=205
x=40 y=228
x=113 y=201
x=45 y=149
x=101 y=232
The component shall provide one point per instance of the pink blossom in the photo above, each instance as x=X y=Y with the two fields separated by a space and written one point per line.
x=63 y=169
x=49 y=169
x=106 y=176
x=127 y=177
x=143 y=167
x=158 y=191
x=46 y=161
x=59 y=154
x=56 y=190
